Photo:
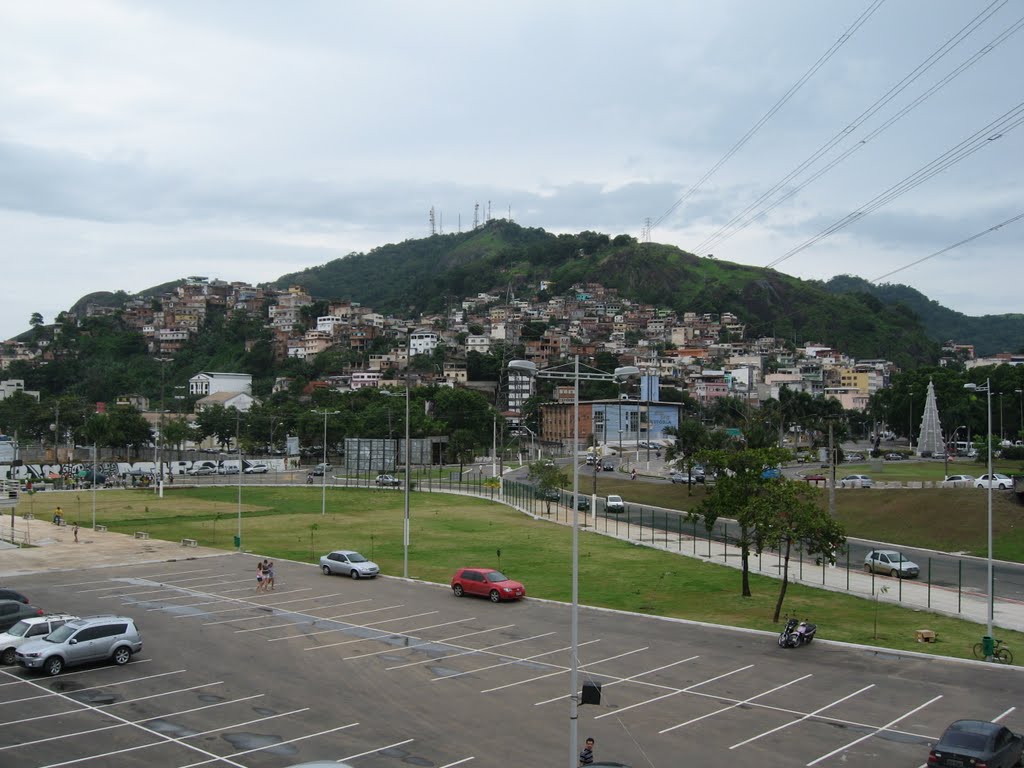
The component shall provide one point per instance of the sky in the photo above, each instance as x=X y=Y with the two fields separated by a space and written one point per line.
x=142 y=142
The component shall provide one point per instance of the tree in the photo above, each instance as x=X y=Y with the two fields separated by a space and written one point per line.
x=548 y=478
x=691 y=436
x=461 y=447
x=736 y=492
x=36 y=320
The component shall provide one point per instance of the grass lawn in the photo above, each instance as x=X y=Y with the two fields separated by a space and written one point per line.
x=451 y=531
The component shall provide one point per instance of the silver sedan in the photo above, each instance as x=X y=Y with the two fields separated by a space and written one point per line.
x=347 y=562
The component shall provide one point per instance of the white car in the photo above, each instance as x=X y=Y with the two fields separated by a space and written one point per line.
x=856 y=481
x=615 y=504
x=347 y=562
x=1002 y=482
x=31 y=628
x=257 y=469
x=960 y=481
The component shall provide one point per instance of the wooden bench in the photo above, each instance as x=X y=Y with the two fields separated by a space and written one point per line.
x=141 y=534
x=100 y=529
x=189 y=543
x=924 y=636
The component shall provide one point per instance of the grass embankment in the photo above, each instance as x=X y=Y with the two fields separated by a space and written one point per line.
x=449 y=531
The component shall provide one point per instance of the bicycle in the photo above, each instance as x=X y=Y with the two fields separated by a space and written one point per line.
x=1000 y=653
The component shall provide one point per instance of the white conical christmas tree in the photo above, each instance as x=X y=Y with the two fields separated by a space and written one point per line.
x=930 y=440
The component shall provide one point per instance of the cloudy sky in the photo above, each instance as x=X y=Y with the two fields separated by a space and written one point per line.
x=142 y=141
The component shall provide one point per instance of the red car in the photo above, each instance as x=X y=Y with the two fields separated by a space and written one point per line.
x=487 y=582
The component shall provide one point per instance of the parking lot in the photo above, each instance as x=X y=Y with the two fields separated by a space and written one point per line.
x=392 y=673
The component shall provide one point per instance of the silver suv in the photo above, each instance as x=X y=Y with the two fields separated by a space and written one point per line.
x=94 y=638
x=27 y=630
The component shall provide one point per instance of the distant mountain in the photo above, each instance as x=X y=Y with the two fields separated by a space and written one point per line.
x=989 y=334
x=501 y=257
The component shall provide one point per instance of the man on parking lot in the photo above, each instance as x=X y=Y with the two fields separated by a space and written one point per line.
x=587 y=755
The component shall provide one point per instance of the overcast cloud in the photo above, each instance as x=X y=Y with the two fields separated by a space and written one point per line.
x=146 y=141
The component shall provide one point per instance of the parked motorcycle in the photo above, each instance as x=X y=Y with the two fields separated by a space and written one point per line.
x=797 y=633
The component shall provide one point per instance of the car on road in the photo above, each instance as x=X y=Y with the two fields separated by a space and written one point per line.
x=1002 y=482
x=32 y=628
x=591 y=459
x=348 y=562
x=892 y=563
x=968 y=743
x=202 y=469
x=608 y=465
x=549 y=494
x=960 y=480
x=10 y=594
x=895 y=457
x=771 y=473
x=227 y=469
x=853 y=457
x=687 y=478
x=614 y=504
x=80 y=641
x=257 y=469
x=856 y=481
x=486 y=582
x=319 y=469
x=13 y=611
x=387 y=481
x=583 y=503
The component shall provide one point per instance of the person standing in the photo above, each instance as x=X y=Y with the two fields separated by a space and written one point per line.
x=259 y=577
x=587 y=755
x=75 y=531
x=268 y=576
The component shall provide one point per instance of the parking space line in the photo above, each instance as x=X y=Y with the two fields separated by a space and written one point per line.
x=737 y=704
x=21 y=680
x=458 y=762
x=9 y=723
x=805 y=716
x=446 y=640
x=636 y=678
x=369 y=625
x=875 y=732
x=313 y=619
x=258 y=606
x=48 y=693
x=289 y=741
x=507 y=663
x=582 y=667
x=180 y=741
x=125 y=723
x=190 y=591
x=405 y=633
x=486 y=649
x=357 y=755
x=123 y=579
x=223 y=596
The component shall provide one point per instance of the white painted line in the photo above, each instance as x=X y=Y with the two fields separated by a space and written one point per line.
x=181 y=741
x=428 y=642
x=510 y=661
x=563 y=670
x=369 y=625
x=191 y=591
x=117 y=703
x=265 y=614
x=125 y=580
x=404 y=633
x=638 y=675
x=804 y=717
x=738 y=703
x=685 y=690
x=469 y=652
x=458 y=762
x=50 y=694
x=1007 y=712
x=346 y=758
x=126 y=723
x=22 y=680
x=278 y=744
x=313 y=619
x=221 y=598
x=876 y=731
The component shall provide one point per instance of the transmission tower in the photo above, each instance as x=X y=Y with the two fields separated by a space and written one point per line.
x=476 y=215
x=433 y=229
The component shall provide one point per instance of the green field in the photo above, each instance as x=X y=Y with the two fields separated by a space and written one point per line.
x=452 y=531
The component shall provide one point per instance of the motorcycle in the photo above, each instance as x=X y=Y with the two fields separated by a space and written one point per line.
x=797 y=633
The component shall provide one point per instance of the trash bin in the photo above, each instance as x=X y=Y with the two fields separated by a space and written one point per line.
x=988 y=646
x=238 y=542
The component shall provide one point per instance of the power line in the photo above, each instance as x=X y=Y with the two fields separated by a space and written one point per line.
x=861 y=20
x=988 y=231
x=991 y=132
x=737 y=222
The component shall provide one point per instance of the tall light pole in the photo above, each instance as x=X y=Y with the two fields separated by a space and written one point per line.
x=530 y=369
x=987 y=389
x=1020 y=392
x=323 y=477
x=408 y=461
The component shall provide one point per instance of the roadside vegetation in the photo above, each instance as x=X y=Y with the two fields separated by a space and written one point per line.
x=452 y=531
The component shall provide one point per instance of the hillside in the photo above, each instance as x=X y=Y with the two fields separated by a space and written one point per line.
x=989 y=333
x=422 y=275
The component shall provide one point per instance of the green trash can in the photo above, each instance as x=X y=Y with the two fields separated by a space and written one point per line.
x=238 y=542
x=988 y=646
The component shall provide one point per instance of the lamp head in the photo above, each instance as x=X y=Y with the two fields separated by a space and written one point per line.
x=527 y=367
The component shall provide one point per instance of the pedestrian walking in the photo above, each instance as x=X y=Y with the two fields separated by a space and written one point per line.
x=75 y=531
x=268 y=576
x=632 y=474
x=259 y=577
x=587 y=755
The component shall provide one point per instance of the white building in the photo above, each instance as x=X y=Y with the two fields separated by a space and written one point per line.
x=422 y=341
x=211 y=383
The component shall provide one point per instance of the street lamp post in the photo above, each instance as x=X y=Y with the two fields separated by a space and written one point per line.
x=1020 y=392
x=530 y=368
x=406 y=520
x=323 y=477
x=987 y=389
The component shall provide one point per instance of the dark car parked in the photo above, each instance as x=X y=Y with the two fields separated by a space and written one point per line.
x=10 y=594
x=12 y=611
x=976 y=742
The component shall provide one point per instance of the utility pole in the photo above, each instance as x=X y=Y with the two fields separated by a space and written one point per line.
x=832 y=472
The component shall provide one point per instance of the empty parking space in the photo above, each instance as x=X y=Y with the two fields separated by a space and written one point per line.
x=389 y=672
